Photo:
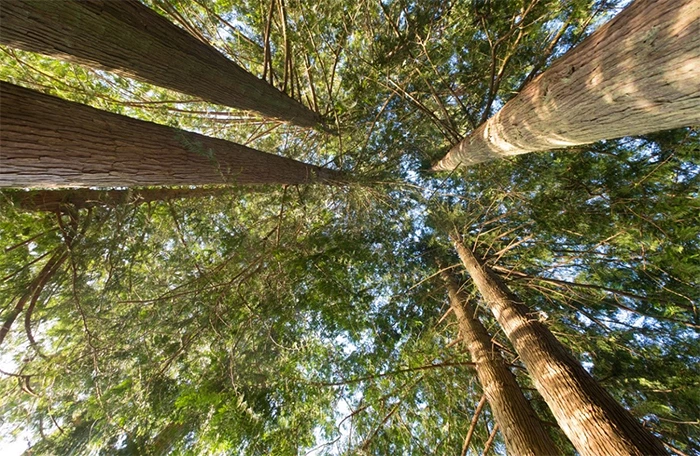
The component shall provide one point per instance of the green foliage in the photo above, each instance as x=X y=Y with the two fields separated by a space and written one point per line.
x=279 y=320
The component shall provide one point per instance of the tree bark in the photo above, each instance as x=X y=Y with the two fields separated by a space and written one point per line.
x=83 y=198
x=47 y=142
x=521 y=428
x=638 y=74
x=594 y=422
x=132 y=40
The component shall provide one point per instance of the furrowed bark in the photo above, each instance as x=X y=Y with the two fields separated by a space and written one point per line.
x=46 y=142
x=638 y=74
x=594 y=422
x=132 y=40
x=521 y=428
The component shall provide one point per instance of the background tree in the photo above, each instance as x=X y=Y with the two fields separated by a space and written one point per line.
x=522 y=430
x=589 y=416
x=637 y=74
x=133 y=40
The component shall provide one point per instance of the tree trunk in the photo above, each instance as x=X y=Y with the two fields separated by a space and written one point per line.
x=638 y=74
x=594 y=422
x=522 y=430
x=83 y=198
x=48 y=142
x=132 y=40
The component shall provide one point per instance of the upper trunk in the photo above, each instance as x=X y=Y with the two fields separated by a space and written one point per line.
x=638 y=74
x=522 y=430
x=130 y=39
x=49 y=142
x=594 y=422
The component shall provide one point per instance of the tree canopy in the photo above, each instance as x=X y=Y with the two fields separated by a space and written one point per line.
x=312 y=319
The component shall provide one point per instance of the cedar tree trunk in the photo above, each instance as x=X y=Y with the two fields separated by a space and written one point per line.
x=47 y=142
x=594 y=422
x=132 y=40
x=522 y=430
x=638 y=74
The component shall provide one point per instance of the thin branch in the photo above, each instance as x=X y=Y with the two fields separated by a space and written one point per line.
x=424 y=109
x=34 y=290
x=309 y=76
x=366 y=443
x=32 y=304
x=513 y=244
x=280 y=217
x=489 y=442
x=393 y=410
x=472 y=425
x=184 y=242
x=564 y=283
x=453 y=343
x=497 y=76
x=546 y=53
x=267 y=57
x=36 y=260
x=288 y=78
x=203 y=4
x=36 y=236
x=674 y=449
x=396 y=372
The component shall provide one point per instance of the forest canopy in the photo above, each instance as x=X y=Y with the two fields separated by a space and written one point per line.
x=312 y=317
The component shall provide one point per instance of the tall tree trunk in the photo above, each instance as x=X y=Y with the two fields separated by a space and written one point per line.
x=83 y=198
x=594 y=422
x=132 y=40
x=48 y=142
x=522 y=430
x=637 y=74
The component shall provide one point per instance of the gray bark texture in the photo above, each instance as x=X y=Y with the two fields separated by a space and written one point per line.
x=47 y=142
x=638 y=74
x=593 y=420
x=130 y=39
x=522 y=430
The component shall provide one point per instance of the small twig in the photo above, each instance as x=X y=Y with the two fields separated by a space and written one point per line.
x=280 y=216
x=674 y=449
x=489 y=442
x=472 y=425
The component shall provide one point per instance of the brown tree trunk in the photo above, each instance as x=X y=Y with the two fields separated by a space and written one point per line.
x=132 y=40
x=594 y=422
x=46 y=142
x=83 y=198
x=638 y=74
x=522 y=430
